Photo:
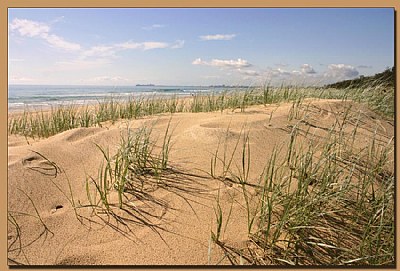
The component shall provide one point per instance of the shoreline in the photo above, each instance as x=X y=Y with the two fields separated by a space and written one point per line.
x=123 y=93
x=91 y=105
x=79 y=103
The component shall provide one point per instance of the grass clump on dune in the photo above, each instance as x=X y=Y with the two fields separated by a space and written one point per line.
x=137 y=159
x=321 y=200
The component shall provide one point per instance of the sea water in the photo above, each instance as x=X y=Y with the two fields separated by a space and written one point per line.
x=45 y=96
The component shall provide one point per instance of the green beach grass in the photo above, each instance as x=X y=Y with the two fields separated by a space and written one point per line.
x=329 y=204
x=43 y=124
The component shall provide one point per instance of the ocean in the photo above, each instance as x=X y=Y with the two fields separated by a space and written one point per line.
x=45 y=96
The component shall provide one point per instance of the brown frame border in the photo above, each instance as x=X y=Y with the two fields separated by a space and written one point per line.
x=5 y=4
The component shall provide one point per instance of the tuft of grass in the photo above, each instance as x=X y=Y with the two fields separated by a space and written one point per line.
x=329 y=203
x=135 y=160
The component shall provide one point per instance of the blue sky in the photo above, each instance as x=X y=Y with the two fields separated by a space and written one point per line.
x=197 y=46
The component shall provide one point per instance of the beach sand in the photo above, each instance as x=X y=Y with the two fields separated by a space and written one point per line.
x=170 y=222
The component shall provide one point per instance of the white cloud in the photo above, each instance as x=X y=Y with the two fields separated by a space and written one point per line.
x=99 y=51
x=111 y=50
x=178 y=44
x=153 y=26
x=237 y=64
x=28 y=28
x=218 y=37
x=307 y=69
x=278 y=72
x=149 y=45
x=198 y=61
x=128 y=45
x=249 y=72
x=59 y=42
x=297 y=73
x=341 y=71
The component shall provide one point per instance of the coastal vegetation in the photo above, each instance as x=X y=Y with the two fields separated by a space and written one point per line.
x=376 y=91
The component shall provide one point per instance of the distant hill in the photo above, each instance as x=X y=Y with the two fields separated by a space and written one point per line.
x=385 y=79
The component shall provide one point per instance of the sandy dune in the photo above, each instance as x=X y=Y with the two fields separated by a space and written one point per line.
x=169 y=223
